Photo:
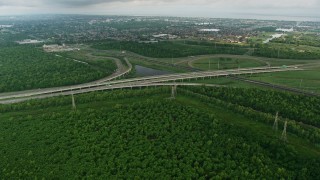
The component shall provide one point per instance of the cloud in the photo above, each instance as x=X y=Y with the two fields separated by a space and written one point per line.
x=77 y=3
x=162 y=7
x=19 y=3
x=216 y=3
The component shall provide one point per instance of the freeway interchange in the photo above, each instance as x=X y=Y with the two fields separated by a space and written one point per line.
x=160 y=80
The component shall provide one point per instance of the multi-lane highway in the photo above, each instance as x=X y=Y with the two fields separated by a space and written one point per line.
x=133 y=82
x=261 y=83
x=102 y=88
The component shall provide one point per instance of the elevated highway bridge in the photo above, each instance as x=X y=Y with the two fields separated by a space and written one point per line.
x=13 y=97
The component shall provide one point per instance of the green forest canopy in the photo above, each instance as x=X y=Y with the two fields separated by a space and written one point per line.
x=26 y=67
x=137 y=134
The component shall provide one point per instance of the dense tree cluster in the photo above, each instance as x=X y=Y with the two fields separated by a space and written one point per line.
x=297 y=39
x=219 y=45
x=26 y=67
x=266 y=29
x=262 y=106
x=147 y=139
x=81 y=98
x=298 y=107
x=168 y=49
x=285 y=52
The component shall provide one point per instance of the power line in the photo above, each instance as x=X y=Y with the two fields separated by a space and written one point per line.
x=284 y=132
x=73 y=102
x=174 y=91
x=275 y=124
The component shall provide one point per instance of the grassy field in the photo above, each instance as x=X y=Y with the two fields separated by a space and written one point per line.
x=219 y=63
x=306 y=80
x=310 y=80
x=136 y=59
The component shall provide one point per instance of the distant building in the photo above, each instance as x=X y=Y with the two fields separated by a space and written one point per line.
x=5 y=26
x=165 y=36
x=284 y=30
x=149 y=42
x=58 y=48
x=29 y=41
x=209 y=30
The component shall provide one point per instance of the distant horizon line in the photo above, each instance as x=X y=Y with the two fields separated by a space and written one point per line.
x=220 y=16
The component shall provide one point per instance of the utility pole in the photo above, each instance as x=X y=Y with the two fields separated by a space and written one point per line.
x=284 y=133
x=174 y=91
x=301 y=83
x=73 y=102
x=275 y=124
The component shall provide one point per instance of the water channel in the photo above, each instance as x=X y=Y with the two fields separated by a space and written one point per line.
x=145 y=71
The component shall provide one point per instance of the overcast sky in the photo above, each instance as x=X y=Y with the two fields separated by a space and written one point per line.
x=190 y=8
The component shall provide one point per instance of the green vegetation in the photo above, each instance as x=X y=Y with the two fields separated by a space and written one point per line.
x=306 y=111
x=303 y=130
x=141 y=134
x=226 y=63
x=102 y=64
x=286 y=51
x=266 y=29
x=125 y=25
x=204 y=133
x=217 y=45
x=175 y=49
x=291 y=46
x=259 y=38
x=307 y=80
x=308 y=39
x=26 y=67
x=169 y=49
x=134 y=59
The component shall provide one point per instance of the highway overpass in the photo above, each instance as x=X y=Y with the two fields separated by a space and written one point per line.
x=134 y=82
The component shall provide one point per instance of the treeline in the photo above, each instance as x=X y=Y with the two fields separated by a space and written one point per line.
x=266 y=29
x=141 y=140
x=27 y=67
x=305 y=39
x=168 y=49
x=171 y=49
x=217 y=44
x=284 y=52
x=80 y=99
